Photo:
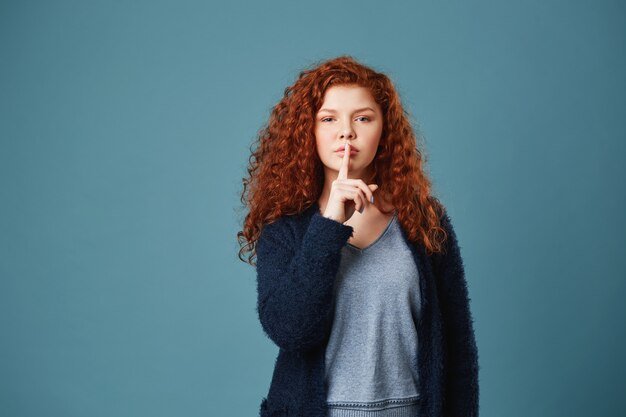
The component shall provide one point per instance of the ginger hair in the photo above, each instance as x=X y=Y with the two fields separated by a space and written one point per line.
x=286 y=175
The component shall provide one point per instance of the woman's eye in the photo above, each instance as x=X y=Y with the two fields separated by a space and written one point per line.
x=360 y=117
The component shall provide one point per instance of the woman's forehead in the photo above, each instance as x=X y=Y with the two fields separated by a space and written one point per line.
x=338 y=98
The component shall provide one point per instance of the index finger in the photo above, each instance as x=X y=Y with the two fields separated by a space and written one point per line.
x=345 y=163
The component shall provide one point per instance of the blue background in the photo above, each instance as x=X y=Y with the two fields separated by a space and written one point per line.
x=125 y=130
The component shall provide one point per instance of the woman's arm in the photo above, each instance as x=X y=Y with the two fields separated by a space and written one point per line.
x=295 y=281
x=461 y=354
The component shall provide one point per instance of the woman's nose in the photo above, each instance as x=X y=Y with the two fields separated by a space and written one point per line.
x=347 y=132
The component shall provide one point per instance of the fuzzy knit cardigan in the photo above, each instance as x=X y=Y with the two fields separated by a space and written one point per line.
x=298 y=258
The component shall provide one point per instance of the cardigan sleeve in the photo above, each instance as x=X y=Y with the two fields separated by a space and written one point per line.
x=461 y=391
x=295 y=280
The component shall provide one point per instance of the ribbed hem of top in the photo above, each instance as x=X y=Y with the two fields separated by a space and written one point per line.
x=406 y=407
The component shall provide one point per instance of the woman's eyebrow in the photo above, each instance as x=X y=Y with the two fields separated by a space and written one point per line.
x=356 y=111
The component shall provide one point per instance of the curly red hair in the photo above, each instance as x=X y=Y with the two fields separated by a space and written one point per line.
x=278 y=185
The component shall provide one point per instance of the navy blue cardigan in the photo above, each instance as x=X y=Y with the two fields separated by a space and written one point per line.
x=297 y=258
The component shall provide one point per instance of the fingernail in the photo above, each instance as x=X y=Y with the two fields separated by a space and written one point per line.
x=345 y=146
x=361 y=210
x=372 y=199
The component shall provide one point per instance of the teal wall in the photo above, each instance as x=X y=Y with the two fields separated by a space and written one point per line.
x=125 y=130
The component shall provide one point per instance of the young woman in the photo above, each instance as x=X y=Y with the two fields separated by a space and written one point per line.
x=360 y=279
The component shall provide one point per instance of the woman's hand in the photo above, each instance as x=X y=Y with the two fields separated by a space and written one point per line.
x=348 y=195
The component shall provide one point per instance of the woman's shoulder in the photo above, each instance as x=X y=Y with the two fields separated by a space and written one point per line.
x=287 y=223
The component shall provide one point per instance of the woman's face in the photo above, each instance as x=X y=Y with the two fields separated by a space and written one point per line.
x=348 y=114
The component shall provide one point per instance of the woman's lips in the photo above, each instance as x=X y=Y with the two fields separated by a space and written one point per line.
x=352 y=152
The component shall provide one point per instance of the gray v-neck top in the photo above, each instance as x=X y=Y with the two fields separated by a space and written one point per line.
x=371 y=356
